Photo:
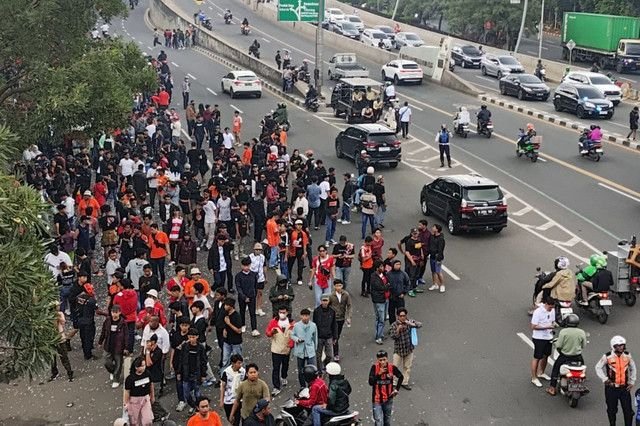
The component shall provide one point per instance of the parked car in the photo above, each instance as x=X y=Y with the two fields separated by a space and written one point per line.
x=380 y=142
x=595 y=79
x=355 y=20
x=402 y=71
x=333 y=15
x=465 y=202
x=524 y=86
x=373 y=37
x=500 y=65
x=388 y=31
x=346 y=29
x=408 y=39
x=241 y=82
x=466 y=56
x=582 y=100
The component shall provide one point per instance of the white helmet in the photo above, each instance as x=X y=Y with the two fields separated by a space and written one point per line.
x=370 y=170
x=333 y=369
x=618 y=340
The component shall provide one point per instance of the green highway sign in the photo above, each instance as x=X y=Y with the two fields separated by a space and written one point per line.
x=299 y=10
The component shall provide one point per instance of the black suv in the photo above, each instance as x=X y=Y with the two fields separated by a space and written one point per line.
x=582 y=100
x=466 y=202
x=379 y=141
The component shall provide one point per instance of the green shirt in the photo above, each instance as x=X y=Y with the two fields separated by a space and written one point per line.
x=571 y=341
x=250 y=393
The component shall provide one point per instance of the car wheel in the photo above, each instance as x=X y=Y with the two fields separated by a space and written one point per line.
x=384 y=76
x=610 y=115
x=521 y=94
x=222 y=88
x=484 y=71
x=503 y=89
x=545 y=98
x=259 y=95
x=499 y=75
x=498 y=230
x=393 y=165
x=424 y=206
x=339 y=151
x=231 y=92
x=396 y=80
x=580 y=112
x=463 y=63
x=452 y=226
x=556 y=105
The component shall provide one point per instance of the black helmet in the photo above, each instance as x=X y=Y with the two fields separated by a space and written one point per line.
x=310 y=372
x=572 y=320
x=483 y=106
x=282 y=279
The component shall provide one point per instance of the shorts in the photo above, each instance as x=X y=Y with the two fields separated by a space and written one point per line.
x=541 y=348
x=260 y=285
x=436 y=266
x=109 y=238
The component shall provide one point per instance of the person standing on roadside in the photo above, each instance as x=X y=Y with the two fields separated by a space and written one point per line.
x=192 y=369
x=436 y=256
x=236 y=127
x=617 y=370
x=634 y=116
x=299 y=240
x=322 y=273
x=340 y=301
x=399 y=286
x=324 y=318
x=343 y=254
x=305 y=339
x=61 y=348
x=442 y=139
x=405 y=118
x=230 y=379
x=159 y=244
x=403 y=345
x=379 y=297
x=543 y=321
x=250 y=391
x=411 y=247
x=347 y=199
x=279 y=331
x=332 y=207
x=246 y=285
x=365 y=256
x=425 y=235
x=381 y=378
x=368 y=208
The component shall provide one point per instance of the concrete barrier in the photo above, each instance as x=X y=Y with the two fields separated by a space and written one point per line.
x=453 y=81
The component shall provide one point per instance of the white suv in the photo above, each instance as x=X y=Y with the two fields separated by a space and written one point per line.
x=402 y=71
x=595 y=79
x=333 y=15
x=372 y=37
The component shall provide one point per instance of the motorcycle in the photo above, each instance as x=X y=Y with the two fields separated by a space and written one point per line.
x=228 y=17
x=312 y=105
x=573 y=376
x=254 y=51
x=530 y=150
x=303 y=75
x=206 y=22
x=245 y=30
x=541 y=73
x=462 y=130
x=485 y=128
x=592 y=151
x=599 y=305
x=292 y=414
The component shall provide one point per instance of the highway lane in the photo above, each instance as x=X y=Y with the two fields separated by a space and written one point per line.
x=485 y=302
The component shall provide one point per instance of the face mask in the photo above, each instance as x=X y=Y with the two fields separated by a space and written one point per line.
x=283 y=316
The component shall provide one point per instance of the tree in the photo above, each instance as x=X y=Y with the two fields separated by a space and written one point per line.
x=28 y=336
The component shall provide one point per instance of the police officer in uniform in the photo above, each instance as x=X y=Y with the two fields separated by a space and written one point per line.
x=617 y=370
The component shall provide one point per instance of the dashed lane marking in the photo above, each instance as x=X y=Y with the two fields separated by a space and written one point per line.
x=529 y=343
x=266 y=39
x=637 y=200
x=212 y=92
x=175 y=65
x=236 y=108
x=191 y=76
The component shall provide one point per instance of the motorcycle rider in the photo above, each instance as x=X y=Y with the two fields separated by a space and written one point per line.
x=268 y=125
x=280 y=115
x=594 y=135
x=462 y=117
x=339 y=391
x=228 y=15
x=617 y=370
x=539 y=69
x=389 y=92
x=255 y=48
x=310 y=96
x=525 y=137
x=318 y=390
x=245 y=25
x=563 y=285
x=570 y=344
x=600 y=282
x=484 y=116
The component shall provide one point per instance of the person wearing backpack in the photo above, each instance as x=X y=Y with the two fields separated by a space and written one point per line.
x=442 y=138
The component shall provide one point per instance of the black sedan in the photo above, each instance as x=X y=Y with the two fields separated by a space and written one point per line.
x=582 y=100
x=524 y=86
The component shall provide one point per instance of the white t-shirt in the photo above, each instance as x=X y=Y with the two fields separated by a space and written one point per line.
x=176 y=128
x=151 y=130
x=127 y=167
x=110 y=269
x=163 y=337
x=209 y=210
x=232 y=380
x=543 y=317
x=53 y=262
x=152 y=177
x=206 y=303
x=224 y=209
x=325 y=187
x=70 y=207
x=223 y=263
x=405 y=114
x=227 y=140
x=257 y=265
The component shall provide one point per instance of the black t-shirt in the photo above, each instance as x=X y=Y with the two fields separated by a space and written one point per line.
x=147 y=283
x=108 y=223
x=242 y=219
x=138 y=385
x=234 y=338
x=155 y=370
x=332 y=206
x=62 y=221
x=176 y=339
x=378 y=191
x=346 y=249
x=412 y=247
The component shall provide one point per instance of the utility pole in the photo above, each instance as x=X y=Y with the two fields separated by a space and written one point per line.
x=524 y=18
x=395 y=10
x=541 y=31
x=319 y=74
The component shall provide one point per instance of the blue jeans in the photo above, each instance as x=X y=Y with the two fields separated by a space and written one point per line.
x=346 y=211
x=318 y=292
x=273 y=258
x=227 y=351
x=303 y=362
x=368 y=218
x=382 y=209
x=64 y=297
x=358 y=193
x=191 y=390
x=382 y=413
x=331 y=228
x=343 y=274
x=381 y=310
x=317 y=412
x=284 y=267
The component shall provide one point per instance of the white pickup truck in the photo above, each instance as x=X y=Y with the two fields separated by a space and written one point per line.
x=345 y=65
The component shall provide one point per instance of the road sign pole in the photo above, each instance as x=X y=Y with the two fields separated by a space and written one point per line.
x=319 y=62
x=541 y=31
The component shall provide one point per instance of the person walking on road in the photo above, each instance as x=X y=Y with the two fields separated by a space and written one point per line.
x=436 y=256
x=186 y=89
x=403 y=344
x=246 y=285
x=340 y=301
x=399 y=286
x=114 y=342
x=542 y=325
x=405 y=118
x=279 y=331
x=139 y=394
x=365 y=256
x=411 y=247
x=192 y=369
x=369 y=206
x=204 y=415
x=230 y=379
x=617 y=370
x=634 y=116
x=379 y=292
x=442 y=138
x=381 y=378
x=61 y=348
x=305 y=339
x=250 y=391
x=322 y=273
x=324 y=317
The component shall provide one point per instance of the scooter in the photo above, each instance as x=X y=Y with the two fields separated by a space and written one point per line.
x=312 y=105
x=530 y=150
x=245 y=30
x=462 y=130
x=292 y=414
x=541 y=74
x=573 y=376
x=592 y=151
x=563 y=308
x=228 y=17
x=206 y=22
x=486 y=129
x=599 y=305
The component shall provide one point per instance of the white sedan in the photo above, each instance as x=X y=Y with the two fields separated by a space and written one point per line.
x=402 y=71
x=241 y=82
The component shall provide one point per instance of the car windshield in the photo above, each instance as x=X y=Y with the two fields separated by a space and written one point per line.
x=379 y=35
x=410 y=66
x=488 y=193
x=355 y=19
x=382 y=137
x=590 y=93
x=335 y=12
x=387 y=30
x=508 y=60
x=470 y=50
x=600 y=79
x=247 y=78
x=411 y=36
x=633 y=49
x=348 y=26
x=529 y=79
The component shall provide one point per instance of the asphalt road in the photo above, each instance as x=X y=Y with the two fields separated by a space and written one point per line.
x=471 y=366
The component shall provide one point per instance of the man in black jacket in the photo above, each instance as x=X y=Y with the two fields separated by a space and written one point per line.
x=217 y=319
x=324 y=318
x=193 y=368
x=219 y=262
x=436 y=256
x=399 y=285
x=379 y=289
x=247 y=285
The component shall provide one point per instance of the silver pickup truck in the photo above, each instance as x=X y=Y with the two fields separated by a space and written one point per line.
x=345 y=65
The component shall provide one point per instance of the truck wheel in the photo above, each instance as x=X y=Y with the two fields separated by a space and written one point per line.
x=603 y=63
x=619 y=68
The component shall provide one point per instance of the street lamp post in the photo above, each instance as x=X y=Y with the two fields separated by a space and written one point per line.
x=541 y=31
x=524 y=18
x=318 y=75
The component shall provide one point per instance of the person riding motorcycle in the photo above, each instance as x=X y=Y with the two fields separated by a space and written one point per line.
x=389 y=91
x=268 y=124
x=539 y=69
x=244 y=26
x=563 y=285
x=570 y=344
x=525 y=138
x=255 y=47
x=462 y=117
x=590 y=137
x=599 y=280
x=245 y=22
x=311 y=94
x=305 y=66
x=280 y=115
x=318 y=390
x=339 y=391
x=227 y=15
x=484 y=116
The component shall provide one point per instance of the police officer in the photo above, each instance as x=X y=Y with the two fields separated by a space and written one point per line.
x=617 y=370
x=442 y=139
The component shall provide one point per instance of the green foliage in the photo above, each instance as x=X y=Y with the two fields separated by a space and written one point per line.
x=27 y=294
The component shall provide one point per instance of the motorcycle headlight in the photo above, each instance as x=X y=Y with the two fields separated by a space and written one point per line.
x=589 y=105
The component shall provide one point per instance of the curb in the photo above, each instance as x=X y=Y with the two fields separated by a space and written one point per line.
x=555 y=120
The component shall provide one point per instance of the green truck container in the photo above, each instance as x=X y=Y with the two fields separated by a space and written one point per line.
x=599 y=32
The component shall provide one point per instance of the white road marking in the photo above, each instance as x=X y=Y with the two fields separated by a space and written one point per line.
x=175 y=65
x=220 y=15
x=140 y=42
x=149 y=47
x=426 y=160
x=132 y=37
x=619 y=192
x=628 y=79
x=184 y=132
x=236 y=108
x=523 y=211
x=450 y=273
x=545 y=226
x=191 y=76
x=210 y=8
x=211 y=91
x=542 y=159
x=545 y=48
x=267 y=40
x=529 y=343
x=618 y=124
x=424 y=148
x=485 y=78
x=416 y=107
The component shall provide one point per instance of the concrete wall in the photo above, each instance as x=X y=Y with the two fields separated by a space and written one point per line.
x=452 y=81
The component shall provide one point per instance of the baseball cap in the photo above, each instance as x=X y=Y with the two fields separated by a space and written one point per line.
x=153 y=292
x=195 y=271
x=149 y=302
x=261 y=405
x=87 y=192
